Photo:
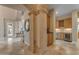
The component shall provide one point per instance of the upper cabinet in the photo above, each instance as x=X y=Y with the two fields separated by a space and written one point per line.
x=68 y=23
x=57 y=24
x=61 y=23
x=64 y=23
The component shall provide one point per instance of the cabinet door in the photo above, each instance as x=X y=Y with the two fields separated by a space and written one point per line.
x=61 y=23
x=50 y=39
x=62 y=36
x=57 y=24
x=49 y=31
x=68 y=23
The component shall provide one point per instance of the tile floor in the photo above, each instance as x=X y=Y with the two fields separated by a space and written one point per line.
x=60 y=48
x=63 y=48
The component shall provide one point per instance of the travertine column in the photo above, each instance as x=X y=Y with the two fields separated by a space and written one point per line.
x=32 y=31
x=74 y=27
x=38 y=28
x=52 y=14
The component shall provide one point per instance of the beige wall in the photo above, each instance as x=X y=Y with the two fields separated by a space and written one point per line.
x=6 y=12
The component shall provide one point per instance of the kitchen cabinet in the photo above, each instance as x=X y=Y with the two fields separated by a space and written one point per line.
x=50 y=38
x=68 y=23
x=61 y=23
x=64 y=29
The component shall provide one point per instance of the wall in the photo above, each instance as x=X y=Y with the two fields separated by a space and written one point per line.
x=23 y=17
x=6 y=12
x=26 y=34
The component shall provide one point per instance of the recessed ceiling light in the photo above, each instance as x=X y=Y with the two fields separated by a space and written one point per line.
x=56 y=12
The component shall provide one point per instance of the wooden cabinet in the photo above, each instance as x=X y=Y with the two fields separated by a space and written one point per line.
x=61 y=23
x=49 y=32
x=68 y=23
x=78 y=34
x=57 y=24
x=62 y=36
x=50 y=38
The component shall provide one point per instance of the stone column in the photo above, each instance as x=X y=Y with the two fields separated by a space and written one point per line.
x=38 y=28
x=53 y=24
x=74 y=28
x=32 y=31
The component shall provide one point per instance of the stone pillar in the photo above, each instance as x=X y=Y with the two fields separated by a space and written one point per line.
x=74 y=28
x=53 y=24
x=38 y=28
x=32 y=31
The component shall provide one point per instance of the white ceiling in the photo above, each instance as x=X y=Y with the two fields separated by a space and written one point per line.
x=63 y=9
x=15 y=6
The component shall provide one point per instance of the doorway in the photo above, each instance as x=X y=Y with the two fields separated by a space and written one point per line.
x=9 y=30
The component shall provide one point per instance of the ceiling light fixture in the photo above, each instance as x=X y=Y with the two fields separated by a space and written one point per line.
x=56 y=12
